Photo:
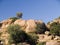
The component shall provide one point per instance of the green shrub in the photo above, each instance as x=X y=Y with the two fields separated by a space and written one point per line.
x=16 y=34
x=55 y=28
x=32 y=39
x=40 y=28
x=42 y=43
x=14 y=19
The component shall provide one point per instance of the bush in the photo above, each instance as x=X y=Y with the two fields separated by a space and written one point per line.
x=32 y=39
x=42 y=43
x=16 y=34
x=55 y=28
x=14 y=19
x=40 y=28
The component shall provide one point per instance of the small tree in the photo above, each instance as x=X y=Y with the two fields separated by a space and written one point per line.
x=16 y=34
x=55 y=28
x=19 y=15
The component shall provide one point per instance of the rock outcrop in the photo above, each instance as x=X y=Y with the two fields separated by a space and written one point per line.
x=57 y=20
x=28 y=25
x=6 y=23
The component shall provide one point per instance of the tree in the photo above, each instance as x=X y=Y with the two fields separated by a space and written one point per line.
x=19 y=15
x=40 y=28
x=16 y=34
x=55 y=28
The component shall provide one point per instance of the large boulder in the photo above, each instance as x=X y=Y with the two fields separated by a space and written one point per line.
x=20 y=22
x=30 y=26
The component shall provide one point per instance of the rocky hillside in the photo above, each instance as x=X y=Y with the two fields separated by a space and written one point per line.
x=26 y=25
x=57 y=20
x=37 y=27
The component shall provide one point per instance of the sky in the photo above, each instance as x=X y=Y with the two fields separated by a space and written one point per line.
x=45 y=10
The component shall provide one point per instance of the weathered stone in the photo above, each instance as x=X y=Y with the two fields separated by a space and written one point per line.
x=44 y=38
x=20 y=22
x=30 y=26
x=53 y=43
x=57 y=38
x=47 y=32
x=6 y=23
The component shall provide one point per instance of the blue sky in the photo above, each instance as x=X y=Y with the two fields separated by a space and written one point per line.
x=45 y=10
